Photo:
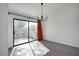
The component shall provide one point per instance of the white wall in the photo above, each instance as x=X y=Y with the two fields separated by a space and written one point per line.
x=3 y=29
x=62 y=25
x=10 y=29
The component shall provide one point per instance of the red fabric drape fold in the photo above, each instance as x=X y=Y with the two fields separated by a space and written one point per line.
x=39 y=31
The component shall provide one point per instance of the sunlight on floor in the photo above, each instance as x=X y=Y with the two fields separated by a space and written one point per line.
x=30 y=49
x=22 y=40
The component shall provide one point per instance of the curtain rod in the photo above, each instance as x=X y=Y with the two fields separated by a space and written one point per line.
x=21 y=15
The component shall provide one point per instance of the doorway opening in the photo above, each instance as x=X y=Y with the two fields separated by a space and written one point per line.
x=24 y=31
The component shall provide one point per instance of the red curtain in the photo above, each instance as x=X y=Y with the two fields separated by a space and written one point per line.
x=39 y=31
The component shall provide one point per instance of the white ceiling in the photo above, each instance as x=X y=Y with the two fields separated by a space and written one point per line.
x=34 y=9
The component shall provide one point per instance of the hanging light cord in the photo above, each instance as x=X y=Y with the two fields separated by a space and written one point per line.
x=41 y=9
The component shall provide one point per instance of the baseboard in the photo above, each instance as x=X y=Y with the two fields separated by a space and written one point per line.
x=62 y=43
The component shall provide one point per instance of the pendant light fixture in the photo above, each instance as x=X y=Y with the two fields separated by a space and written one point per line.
x=43 y=18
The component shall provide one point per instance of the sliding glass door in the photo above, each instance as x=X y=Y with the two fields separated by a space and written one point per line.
x=21 y=32
x=32 y=31
x=24 y=31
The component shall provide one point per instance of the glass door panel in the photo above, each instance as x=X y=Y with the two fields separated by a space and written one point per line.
x=32 y=31
x=21 y=32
